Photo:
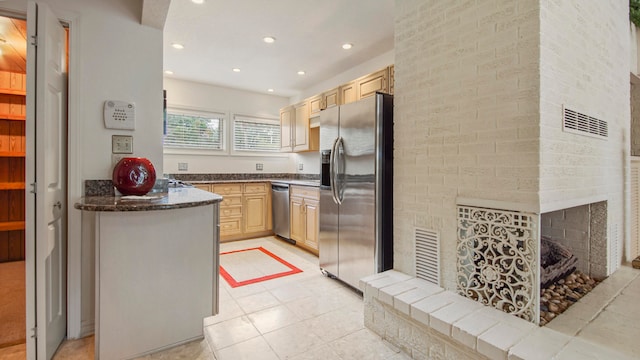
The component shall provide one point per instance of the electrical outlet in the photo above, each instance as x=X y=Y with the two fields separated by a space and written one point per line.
x=259 y=166
x=117 y=157
x=182 y=166
x=300 y=166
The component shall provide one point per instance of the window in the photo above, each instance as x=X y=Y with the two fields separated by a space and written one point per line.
x=254 y=134
x=194 y=130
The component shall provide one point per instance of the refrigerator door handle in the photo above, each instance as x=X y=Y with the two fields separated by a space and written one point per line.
x=332 y=170
x=338 y=182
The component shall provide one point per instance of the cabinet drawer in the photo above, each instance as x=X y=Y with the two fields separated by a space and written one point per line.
x=226 y=189
x=305 y=192
x=255 y=188
x=205 y=187
x=230 y=227
x=232 y=200
x=230 y=211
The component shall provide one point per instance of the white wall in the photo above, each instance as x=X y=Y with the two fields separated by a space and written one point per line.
x=112 y=56
x=198 y=96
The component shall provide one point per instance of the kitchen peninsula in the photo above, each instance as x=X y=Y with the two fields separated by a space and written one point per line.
x=156 y=269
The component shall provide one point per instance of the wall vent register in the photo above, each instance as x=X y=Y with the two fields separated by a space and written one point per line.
x=581 y=124
x=428 y=255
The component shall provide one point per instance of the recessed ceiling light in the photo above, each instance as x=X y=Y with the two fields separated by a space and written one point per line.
x=197 y=1
x=269 y=39
x=236 y=70
x=168 y=72
x=177 y=46
x=270 y=90
x=347 y=46
x=301 y=72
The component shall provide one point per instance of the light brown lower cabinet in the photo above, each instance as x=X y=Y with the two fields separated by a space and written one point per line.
x=245 y=210
x=304 y=216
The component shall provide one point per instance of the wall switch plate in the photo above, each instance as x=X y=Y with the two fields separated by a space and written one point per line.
x=259 y=166
x=122 y=144
x=182 y=166
x=300 y=166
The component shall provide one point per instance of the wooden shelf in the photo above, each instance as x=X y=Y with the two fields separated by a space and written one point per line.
x=11 y=225
x=12 y=154
x=13 y=117
x=13 y=92
x=11 y=185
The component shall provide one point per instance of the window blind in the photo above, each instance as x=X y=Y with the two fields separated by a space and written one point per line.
x=194 y=130
x=256 y=134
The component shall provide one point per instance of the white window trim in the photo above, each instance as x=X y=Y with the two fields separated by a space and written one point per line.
x=226 y=125
x=227 y=137
x=260 y=118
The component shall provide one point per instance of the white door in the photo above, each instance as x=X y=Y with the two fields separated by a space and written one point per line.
x=46 y=168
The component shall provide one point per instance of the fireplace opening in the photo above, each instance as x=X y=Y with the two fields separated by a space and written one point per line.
x=572 y=256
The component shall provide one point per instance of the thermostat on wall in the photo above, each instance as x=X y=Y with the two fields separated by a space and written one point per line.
x=119 y=115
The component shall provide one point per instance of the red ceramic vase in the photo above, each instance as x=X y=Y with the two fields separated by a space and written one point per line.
x=134 y=176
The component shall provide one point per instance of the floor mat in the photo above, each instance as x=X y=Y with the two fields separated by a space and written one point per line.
x=253 y=265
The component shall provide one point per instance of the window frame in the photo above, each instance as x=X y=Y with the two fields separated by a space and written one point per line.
x=223 y=115
x=260 y=118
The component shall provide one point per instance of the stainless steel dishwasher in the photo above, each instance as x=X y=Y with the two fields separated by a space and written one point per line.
x=280 y=209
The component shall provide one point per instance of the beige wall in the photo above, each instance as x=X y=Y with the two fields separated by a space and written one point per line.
x=479 y=95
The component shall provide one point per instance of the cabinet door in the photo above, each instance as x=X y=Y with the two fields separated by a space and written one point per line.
x=312 y=216
x=315 y=105
x=330 y=98
x=287 y=116
x=255 y=213
x=297 y=219
x=377 y=81
x=301 y=128
x=392 y=76
x=348 y=93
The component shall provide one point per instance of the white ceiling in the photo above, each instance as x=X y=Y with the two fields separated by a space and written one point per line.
x=220 y=35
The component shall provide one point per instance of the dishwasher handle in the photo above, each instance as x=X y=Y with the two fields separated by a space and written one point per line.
x=279 y=188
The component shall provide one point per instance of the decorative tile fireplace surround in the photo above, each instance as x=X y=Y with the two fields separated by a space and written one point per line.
x=499 y=252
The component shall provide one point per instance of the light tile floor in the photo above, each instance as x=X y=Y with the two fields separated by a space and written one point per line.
x=302 y=316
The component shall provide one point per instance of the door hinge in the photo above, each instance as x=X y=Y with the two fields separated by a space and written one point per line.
x=33 y=188
x=34 y=332
x=34 y=40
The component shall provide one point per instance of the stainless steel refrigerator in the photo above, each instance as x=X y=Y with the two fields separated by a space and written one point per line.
x=356 y=192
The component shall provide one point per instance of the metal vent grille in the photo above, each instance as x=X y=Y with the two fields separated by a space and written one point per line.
x=578 y=123
x=428 y=255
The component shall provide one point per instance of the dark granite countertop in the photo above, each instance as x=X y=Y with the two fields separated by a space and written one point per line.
x=315 y=183
x=176 y=198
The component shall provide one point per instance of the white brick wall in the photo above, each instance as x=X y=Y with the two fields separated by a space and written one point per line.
x=466 y=114
x=479 y=91
x=584 y=65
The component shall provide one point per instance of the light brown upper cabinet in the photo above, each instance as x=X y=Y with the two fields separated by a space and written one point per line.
x=348 y=92
x=315 y=105
x=330 y=98
x=299 y=123
x=392 y=74
x=368 y=85
x=287 y=118
x=301 y=129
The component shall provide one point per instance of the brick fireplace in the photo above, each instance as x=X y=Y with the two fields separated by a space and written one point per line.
x=485 y=92
x=501 y=258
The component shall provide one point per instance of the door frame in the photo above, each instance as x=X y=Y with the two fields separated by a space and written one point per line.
x=75 y=328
